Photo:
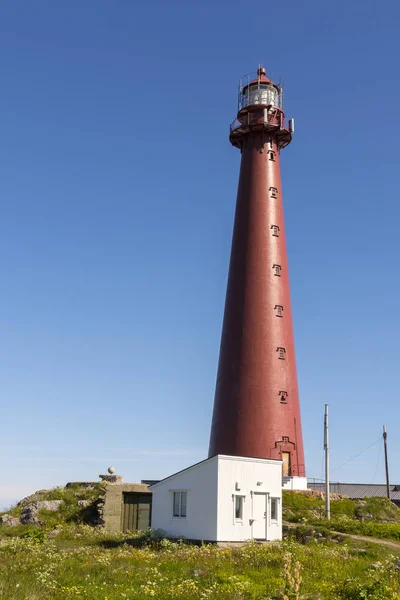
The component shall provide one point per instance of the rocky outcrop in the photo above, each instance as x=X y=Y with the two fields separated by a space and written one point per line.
x=82 y=506
x=98 y=508
x=32 y=498
x=86 y=485
x=52 y=505
x=30 y=513
x=29 y=516
x=8 y=520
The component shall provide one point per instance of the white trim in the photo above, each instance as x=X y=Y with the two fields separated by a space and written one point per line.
x=238 y=520
x=268 y=461
x=266 y=496
x=178 y=517
x=271 y=520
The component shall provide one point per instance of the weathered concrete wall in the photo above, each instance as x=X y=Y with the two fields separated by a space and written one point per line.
x=114 y=503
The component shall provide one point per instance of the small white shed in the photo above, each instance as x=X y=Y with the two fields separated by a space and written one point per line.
x=221 y=499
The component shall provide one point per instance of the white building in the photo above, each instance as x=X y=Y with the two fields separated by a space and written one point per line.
x=221 y=499
x=294 y=483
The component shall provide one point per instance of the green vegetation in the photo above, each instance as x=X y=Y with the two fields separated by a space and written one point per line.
x=84 y=562
x=303 y=507
x=376 y=517
x=78 y=506
x=66 y=558
x=389 y=531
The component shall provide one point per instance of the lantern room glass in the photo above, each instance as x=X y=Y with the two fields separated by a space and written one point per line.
x=261 y=94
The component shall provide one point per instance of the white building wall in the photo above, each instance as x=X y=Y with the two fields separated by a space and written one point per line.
x=212 y=486
x=294 y=483
x=201 y=483
x=252 y=477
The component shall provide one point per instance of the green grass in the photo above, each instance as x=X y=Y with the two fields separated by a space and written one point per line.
x=66 y=558
x=87 y=563
x=299 y=507
x=389 y=531
x=69 y=511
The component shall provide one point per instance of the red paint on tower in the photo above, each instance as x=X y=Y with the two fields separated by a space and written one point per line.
x=256 y=406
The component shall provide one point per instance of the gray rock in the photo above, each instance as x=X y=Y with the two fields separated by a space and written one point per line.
x=29 y=516
x=87 y=485
x=111 y=478
x=32 y=498
x=8 y=520
x=52 y=505
x=84 y=503
x=54 y=533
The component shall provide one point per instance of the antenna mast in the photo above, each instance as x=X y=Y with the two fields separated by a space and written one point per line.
x=326 y=448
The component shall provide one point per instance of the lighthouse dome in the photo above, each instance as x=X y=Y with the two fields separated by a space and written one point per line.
x=259 y=90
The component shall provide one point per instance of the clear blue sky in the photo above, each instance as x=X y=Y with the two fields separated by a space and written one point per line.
x=118 y=187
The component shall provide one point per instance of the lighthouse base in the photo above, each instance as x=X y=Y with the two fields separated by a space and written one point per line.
x=294 y=483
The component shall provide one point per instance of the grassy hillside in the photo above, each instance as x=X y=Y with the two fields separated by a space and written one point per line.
x=376 y=517
x=298 y=506
x=85 y=562
x=64 y=557
x=78 y=504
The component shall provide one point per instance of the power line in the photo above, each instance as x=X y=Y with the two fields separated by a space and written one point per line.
x=357 y=455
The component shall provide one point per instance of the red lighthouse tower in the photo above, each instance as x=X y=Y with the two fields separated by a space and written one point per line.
x=256 y=406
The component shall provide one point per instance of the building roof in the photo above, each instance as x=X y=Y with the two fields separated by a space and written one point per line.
x=357 y=491
x=183 y=470
x=245 y=458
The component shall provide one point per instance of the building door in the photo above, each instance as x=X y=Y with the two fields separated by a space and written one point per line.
x=259 y=520
x=136 y=512
x=144 y=508
x=286 y=467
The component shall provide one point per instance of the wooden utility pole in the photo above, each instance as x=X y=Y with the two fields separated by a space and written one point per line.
x=326 y=448
x=386 y=462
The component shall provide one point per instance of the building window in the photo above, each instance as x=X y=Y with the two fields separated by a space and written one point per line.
x=271 y=155
x=275 y=230
x=274 y=509
x=277 y=269
x=282 y=352
x=274 y=192
x=279 y=310
x=179 y=504
x=239 y=508
x=283 y=396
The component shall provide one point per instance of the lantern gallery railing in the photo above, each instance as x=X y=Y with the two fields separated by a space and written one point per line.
x=269 y=117
x=253 y=90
